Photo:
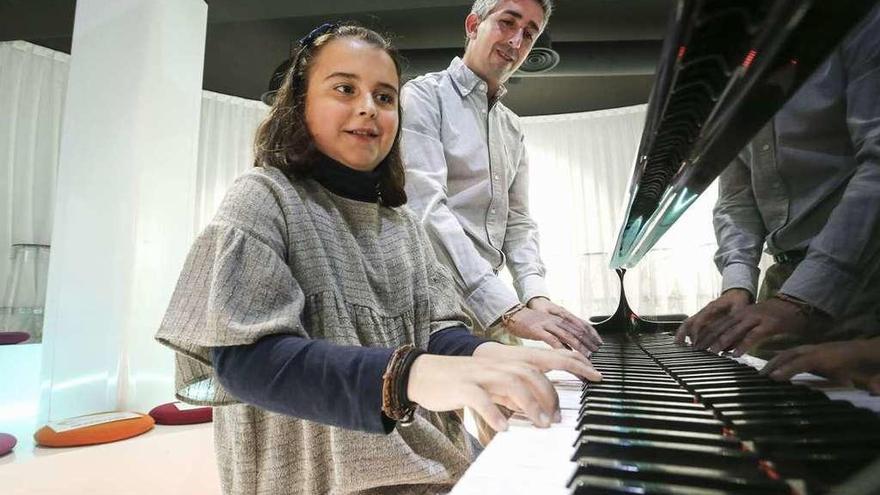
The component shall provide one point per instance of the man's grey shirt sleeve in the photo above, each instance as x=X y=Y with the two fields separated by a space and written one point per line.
x=739 y=228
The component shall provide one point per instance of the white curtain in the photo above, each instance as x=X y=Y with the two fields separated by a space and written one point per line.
x=226 y=140
x=580 y=165
x=33 y=82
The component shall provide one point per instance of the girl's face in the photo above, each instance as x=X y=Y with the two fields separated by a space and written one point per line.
x=351 y=103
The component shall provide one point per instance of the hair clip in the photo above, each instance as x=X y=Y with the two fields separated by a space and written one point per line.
x=318 y=31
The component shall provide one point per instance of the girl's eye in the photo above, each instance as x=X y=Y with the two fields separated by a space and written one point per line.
x=345 y=88
x=507 y=22
x=385 y=98
x=529 y=35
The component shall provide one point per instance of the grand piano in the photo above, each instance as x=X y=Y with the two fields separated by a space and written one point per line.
x=669 y=419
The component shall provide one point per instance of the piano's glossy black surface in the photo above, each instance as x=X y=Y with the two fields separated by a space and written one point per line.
x=670 y=419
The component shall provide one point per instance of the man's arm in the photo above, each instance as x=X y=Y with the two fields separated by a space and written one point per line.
x=740 y=232
x=739 y=228
x=484 y=293
x=843 y=252
x=521 y=238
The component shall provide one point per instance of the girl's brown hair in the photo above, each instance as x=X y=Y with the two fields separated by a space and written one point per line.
x=283 y=140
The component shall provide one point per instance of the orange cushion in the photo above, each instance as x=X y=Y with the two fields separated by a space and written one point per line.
x=94 y=434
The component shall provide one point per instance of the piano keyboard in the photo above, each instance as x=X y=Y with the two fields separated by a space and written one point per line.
x=669 y=419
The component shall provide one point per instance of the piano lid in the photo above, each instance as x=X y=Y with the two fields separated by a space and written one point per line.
x=726 y=67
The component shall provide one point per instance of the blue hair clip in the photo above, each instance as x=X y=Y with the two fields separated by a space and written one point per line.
x=318 y=31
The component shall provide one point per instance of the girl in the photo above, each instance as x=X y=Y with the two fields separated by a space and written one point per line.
x=313 y=310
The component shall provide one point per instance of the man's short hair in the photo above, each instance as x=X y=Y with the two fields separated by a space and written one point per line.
x=483 y=7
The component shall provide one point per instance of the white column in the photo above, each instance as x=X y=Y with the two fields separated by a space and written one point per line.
x=124 y=212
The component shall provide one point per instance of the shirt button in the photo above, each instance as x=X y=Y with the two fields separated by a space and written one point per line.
x=765 y=147
x=492 y=210
x=496 y=176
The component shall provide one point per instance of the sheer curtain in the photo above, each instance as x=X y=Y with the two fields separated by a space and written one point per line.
x=226 y=140
x=33 y=82
x=580 y=165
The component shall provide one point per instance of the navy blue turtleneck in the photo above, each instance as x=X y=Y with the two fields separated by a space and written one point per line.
x=314 y=379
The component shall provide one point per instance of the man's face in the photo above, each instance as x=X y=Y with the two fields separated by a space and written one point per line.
x=499 y=44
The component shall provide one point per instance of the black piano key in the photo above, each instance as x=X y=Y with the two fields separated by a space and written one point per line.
x=771 y=387
x=754 y=482
x=822 y=440
x=624 y=375
x=704 y=425
x=624 y=394
x=657 y=382
x=707 y=367
x=596 y=485
x=771 y=411
x=765 y=396
x=625 y=386
x=747 y=428
x=669 y=452
x=793 y=402
x=691 y=413
x=644 y=402
x=699 y=375
x=716 y=382
x=660 y=435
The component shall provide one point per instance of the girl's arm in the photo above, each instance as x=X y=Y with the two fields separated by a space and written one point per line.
x=321 y=381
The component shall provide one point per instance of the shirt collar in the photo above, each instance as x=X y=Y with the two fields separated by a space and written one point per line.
x=467 y=81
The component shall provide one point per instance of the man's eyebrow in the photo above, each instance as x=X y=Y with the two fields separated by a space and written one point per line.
x=520 y=16
x=348 y=75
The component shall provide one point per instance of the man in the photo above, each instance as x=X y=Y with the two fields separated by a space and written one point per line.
x=808 y=186
x=467 y=178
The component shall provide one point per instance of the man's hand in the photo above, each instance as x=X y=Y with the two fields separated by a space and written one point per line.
x=553 y=324
x=747 y=327
x=729 y=302
x=852 y=362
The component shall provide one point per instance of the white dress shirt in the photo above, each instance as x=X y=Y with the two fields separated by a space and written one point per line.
x=467 y=180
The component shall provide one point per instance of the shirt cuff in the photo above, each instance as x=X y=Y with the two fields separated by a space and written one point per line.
x=821 y=285
x=490 y=300
x=532 y=286
x=740 y=276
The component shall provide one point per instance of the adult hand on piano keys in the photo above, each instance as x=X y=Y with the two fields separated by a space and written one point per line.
x=543 y=320
x=731 y=301
x=742 y=329
x=852 y=362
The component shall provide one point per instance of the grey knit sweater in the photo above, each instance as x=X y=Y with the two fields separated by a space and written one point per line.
x=291 y=257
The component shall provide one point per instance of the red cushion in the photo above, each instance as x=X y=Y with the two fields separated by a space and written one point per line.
x=95 y=434
x=169 y=414
x=7 y=338
x=7 y=443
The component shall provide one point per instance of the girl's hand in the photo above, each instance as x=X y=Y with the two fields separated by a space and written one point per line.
x=543 y=359
x=447 y=383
